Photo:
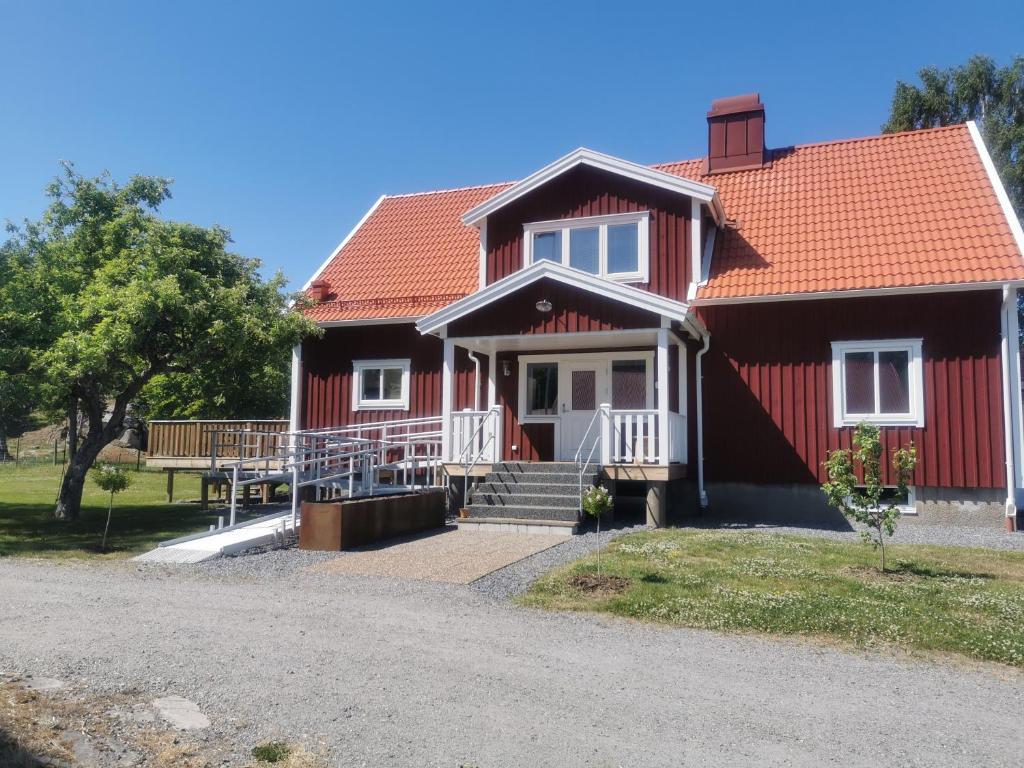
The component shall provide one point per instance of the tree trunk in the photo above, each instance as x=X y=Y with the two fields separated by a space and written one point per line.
x=5 y=454
x=69 y=503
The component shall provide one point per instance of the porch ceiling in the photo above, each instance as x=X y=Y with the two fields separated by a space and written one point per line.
x=543 y=342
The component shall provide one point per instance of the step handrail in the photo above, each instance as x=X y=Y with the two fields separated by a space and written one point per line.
x=602 y=411
x=467 y=467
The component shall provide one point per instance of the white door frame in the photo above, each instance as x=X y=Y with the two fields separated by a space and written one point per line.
x=647 y=355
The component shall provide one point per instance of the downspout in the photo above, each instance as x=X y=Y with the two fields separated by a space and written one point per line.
x=702 y=494
x=476 y=380
x=1009 y=306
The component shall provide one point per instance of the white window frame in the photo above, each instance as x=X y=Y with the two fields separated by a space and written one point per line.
x=915 y=375
x=640 y=218
x=359 y=367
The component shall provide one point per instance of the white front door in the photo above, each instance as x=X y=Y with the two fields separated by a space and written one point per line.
x=582 y=387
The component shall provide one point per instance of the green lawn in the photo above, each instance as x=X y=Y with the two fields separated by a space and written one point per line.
x=942 y=599
x=141 y=515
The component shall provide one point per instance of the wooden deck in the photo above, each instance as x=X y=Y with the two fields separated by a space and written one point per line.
x=188 y=445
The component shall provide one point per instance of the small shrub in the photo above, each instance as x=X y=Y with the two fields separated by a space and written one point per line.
x=596 y=502
x=271 y=752
x=864 y=505
x=111 y=478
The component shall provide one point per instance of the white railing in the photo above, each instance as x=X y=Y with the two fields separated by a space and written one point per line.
x=476 y=437
x=677 y=437
x=634 y=437
x=631 y=437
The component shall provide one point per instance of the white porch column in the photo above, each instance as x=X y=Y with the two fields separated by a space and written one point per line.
x=663 y=388
x=683 y=408
x=296 y=390
x=492 y=377
x=447 y=372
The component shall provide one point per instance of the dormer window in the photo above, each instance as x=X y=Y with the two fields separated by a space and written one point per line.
x=614 y=247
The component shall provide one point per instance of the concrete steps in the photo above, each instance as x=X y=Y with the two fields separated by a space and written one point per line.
x=529 y=494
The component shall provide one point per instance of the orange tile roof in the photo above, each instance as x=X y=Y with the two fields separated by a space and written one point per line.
x=412 y=256
x=891 y=211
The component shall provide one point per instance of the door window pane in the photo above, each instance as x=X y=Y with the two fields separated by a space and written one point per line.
x=371 y=384
x=623 y=248
x=859 y=372
x=894 y=382
x=547 y=245
x=629 y=384
x=541 y=388
x=584 y=390
x=584 y=249
x=392 y=384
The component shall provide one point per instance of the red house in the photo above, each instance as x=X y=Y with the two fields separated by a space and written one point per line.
x=698 y=332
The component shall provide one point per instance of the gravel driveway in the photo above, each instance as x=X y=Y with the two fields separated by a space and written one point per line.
x=403 y=673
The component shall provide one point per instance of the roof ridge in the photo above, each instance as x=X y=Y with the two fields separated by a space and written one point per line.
x=451 y=189
x=831 y=142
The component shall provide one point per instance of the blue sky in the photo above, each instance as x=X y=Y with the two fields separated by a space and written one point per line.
x=284 y=121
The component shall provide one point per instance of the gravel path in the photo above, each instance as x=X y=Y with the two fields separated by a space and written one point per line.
x=403 y=673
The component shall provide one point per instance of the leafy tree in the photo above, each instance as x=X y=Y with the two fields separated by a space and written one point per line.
x=120 y=297
x=114 y=479
x=17 y=390
x=980 y=91
x=865 y=505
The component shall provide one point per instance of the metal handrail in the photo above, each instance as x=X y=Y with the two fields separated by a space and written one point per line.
x=486 y=415
x=579 y=451
x=468 y=467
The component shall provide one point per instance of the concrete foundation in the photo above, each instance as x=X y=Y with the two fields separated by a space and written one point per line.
x=657 y=504
x=805 y=505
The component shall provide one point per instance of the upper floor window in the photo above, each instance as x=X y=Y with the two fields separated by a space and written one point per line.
x=878 y=381
x=614 y=246
x=380 y=384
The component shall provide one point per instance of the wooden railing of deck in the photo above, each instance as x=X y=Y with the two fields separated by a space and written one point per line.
x=192 y=439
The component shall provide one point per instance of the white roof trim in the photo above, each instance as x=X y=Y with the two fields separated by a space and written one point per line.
x=997 y=185
x=582 y=156
x=635 y=297
x=344 y=242
x=856 y=293
x=367 y=321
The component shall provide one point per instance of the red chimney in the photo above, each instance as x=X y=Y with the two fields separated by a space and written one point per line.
x=318 y=290
x=736 y=133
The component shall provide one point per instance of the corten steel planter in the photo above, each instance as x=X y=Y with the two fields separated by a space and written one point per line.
x=330 y=527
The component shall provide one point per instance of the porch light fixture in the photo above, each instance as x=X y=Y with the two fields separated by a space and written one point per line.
x=544 y=306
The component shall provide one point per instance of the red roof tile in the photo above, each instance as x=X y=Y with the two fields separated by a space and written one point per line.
x=890 y=211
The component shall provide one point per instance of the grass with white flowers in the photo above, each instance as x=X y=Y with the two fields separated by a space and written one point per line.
x=935 y=599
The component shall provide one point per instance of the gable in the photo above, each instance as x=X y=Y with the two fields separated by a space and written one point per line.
x=584 y=192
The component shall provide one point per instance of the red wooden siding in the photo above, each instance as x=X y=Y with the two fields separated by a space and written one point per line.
x=572 y=311
x=327 y=374
x=586 y=191
x=768 y=386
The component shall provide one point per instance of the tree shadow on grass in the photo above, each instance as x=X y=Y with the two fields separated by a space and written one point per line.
x=30 y=529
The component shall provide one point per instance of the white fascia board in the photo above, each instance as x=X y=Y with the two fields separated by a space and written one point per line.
x=582 y=156
x=367 y=321
x=567 y=275
x=997 y=186
x=857 y=293
x=344 y=242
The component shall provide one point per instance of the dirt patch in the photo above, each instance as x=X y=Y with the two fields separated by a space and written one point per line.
x=593 y=584
x=58 y=726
